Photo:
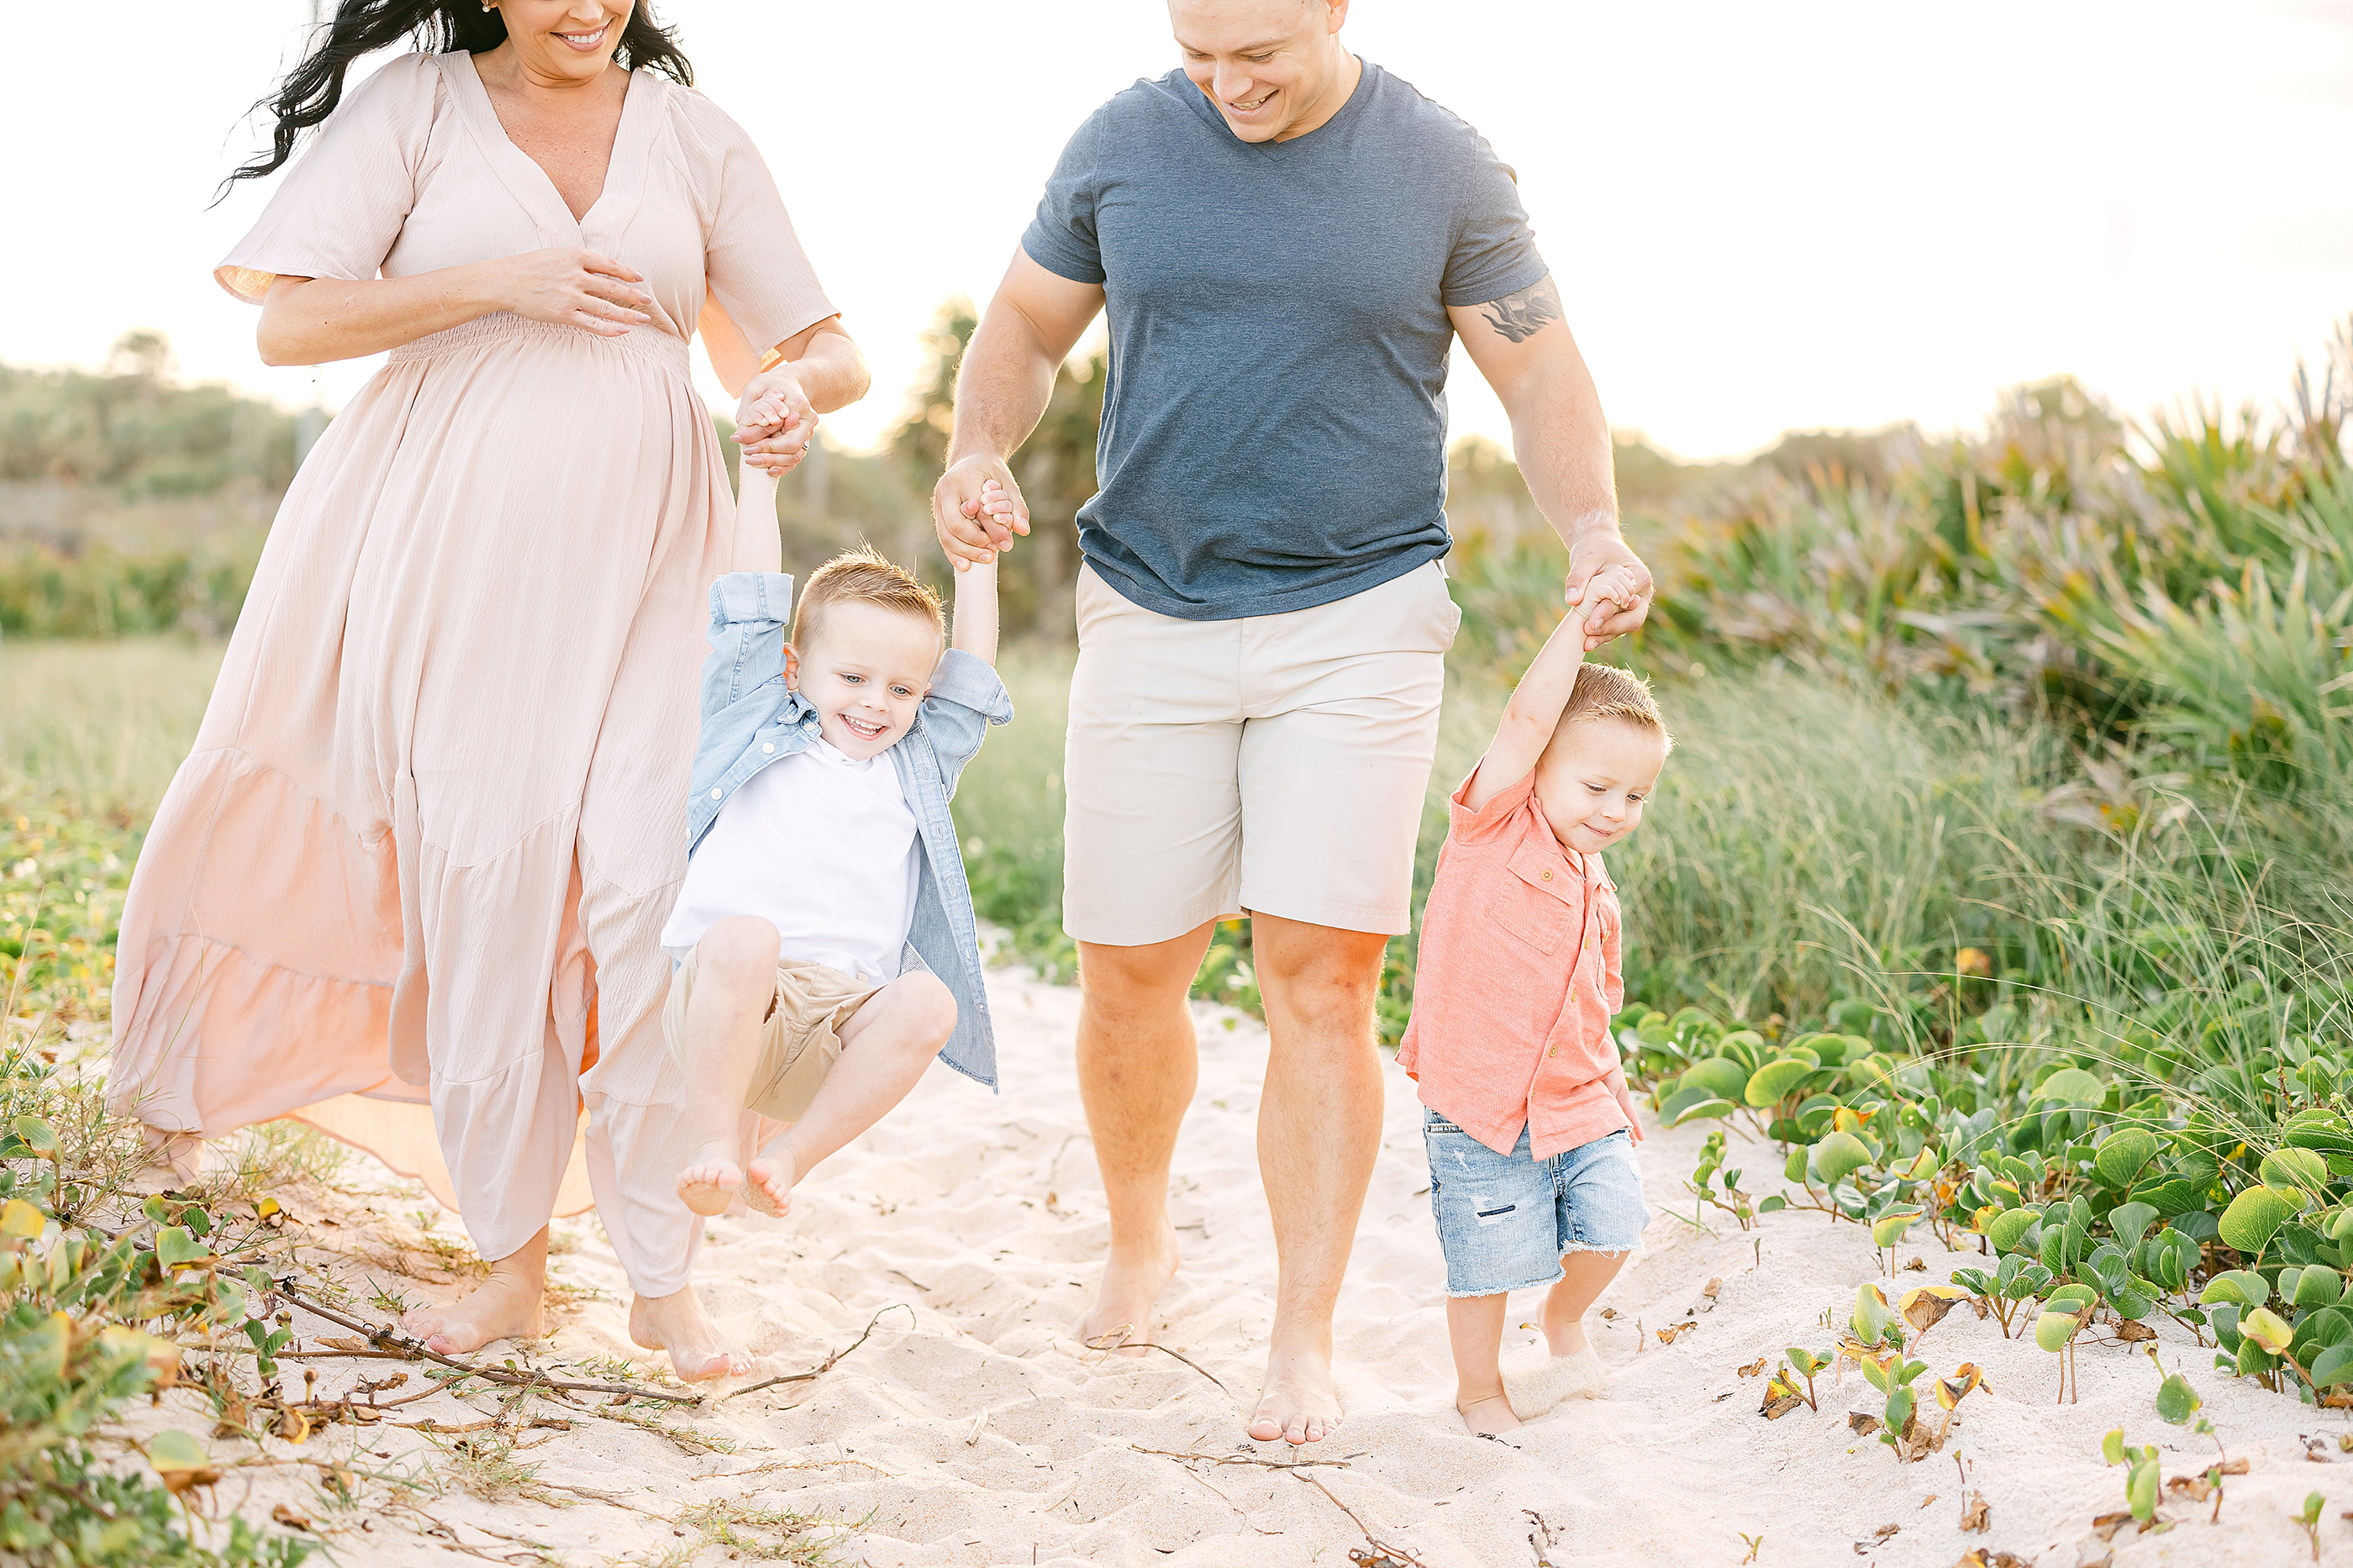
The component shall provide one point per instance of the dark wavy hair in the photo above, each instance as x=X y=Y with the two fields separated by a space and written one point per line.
x=361 y=28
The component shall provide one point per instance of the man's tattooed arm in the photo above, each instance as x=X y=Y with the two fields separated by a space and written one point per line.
x=1521 y=316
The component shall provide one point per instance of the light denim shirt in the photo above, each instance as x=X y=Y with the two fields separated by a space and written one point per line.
x=750 y=719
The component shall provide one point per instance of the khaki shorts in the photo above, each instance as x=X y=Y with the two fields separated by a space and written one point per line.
x=799 y=1040
x=1272 y=764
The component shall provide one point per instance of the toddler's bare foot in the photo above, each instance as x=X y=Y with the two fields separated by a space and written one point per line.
x=769 y=1182
x=1486 y=1417
x=1132 y=1280
x=676 y=1323
x=710 y=1181
x=504 y=1306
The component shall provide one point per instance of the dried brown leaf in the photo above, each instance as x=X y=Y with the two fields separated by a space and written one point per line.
x=1975 y=1514
x=1752 y=1369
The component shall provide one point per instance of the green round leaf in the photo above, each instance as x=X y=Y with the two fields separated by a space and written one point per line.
x=2333 y=1365
x=1838 y=1156
x=1771 y=1083
x=1889 y=1229
x=2008 y=1229
x=172 y=1449
x=2268 y=1329
x=174 y=1245
x=2130 y=1222
x=2293 y=1168
x=2124 y=1154
x=2071 y=1086
x=1722 y=1078
x=2317 y=1286
x=2052 y=1329
x=2244 y=1287
x=2177 y=1402
x=2256 y=1215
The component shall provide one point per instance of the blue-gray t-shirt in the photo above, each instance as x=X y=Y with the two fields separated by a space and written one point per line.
x=1274 y=425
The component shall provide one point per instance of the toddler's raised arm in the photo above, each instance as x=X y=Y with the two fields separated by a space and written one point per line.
x=756 y=546
x=1542 y=695
x=975 y=590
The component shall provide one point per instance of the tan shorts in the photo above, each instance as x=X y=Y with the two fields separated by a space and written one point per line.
x=1273 y=765
x=800 y=1039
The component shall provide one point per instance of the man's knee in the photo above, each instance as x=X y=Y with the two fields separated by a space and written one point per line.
x=1123 y=983
x=736 y=947
x=1317 y=966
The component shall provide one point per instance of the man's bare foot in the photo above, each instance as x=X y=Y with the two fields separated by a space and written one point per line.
x=768 y=1181
x=676 y=1323
x=1299 y=1402
x=711 y=1180
x=504 y=1306
x=1132 y=1280
x=1488 y=1416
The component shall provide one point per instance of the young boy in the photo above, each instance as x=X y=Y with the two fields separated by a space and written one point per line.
x=824 y=936
x=1528 y=1123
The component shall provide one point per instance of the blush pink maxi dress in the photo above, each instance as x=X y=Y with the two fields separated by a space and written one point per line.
x=407 y=886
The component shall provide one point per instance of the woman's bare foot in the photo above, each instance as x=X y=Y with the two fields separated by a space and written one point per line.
x=505 y=1305
x=1488 y=1416
x=768 y=1181
x=173 y=1157
x=710 y=1181
x=676 y=1323
x=1298 y=1402
x=1132 y=1280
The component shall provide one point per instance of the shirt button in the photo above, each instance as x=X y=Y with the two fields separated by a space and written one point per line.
x=770 y=747
x=716 y=793
x=1547 y=876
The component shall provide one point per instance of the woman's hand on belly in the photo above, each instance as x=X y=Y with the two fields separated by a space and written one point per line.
x=316 y=320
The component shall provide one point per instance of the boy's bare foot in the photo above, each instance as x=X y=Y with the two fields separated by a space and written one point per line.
x=711 y=1180
x=676 y=1323
x=1298 y=1402
x=505 y=1305
x=769 y=1182
x=1132 y=1280
x=1486 y=1417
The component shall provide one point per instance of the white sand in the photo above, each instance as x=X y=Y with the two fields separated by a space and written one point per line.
x=972 y=1429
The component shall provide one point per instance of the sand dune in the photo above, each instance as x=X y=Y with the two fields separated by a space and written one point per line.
x=972 y=1429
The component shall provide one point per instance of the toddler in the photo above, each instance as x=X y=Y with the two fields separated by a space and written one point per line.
x=823 y=936
x=1527 y=1120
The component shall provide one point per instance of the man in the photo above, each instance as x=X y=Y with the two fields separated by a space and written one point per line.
x=1288 y=240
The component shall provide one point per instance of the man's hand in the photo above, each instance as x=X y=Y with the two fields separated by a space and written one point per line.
x=971 y=528
x=1626 y=601
x=774 y=421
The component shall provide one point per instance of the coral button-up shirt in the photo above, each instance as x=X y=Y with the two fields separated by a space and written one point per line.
x=1518 y=980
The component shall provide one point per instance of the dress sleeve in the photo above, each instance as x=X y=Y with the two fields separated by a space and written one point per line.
x=761 y=288
x=1494 y=250
x=1062 y=237
x=339 y=210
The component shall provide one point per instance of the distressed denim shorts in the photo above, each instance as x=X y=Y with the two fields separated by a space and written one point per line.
x=1504 y=1221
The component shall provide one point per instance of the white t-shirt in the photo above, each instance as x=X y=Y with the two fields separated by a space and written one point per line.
x=821 y=847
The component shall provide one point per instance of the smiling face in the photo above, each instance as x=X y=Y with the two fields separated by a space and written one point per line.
x=865 y=668
x=565 y=40
x=1595 y=778
x=1275 y=68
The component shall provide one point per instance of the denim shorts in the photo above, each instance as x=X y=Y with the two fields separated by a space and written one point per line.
x=1504 y=1221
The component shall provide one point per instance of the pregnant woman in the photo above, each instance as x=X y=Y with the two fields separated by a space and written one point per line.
x=409 y=884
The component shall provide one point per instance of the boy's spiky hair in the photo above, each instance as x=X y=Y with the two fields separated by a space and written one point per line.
x=862 y=576
x=1605 y=692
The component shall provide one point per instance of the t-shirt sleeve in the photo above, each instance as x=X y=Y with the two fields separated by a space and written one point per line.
x=761 y=288
x=1466 y=826
x=1494 y=250
x=1062 y=237
x=338 y=211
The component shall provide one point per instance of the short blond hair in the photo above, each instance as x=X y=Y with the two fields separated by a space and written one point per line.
x=1605 y=692
x=863 y=576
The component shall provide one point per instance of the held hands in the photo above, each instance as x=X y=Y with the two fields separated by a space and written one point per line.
x=571 y=288
x=774 y=422
x=1603 y=571
x=976 y=509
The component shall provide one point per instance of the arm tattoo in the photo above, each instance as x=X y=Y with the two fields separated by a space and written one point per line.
x=1522 y=316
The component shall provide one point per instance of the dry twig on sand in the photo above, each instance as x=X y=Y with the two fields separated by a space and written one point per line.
x=826 y=1365
x=1117 y=1339
x=386 y=1338
x=1383 y=1554
x=1249 y=1459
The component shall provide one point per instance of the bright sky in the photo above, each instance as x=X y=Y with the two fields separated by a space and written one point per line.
x=1763 y=218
